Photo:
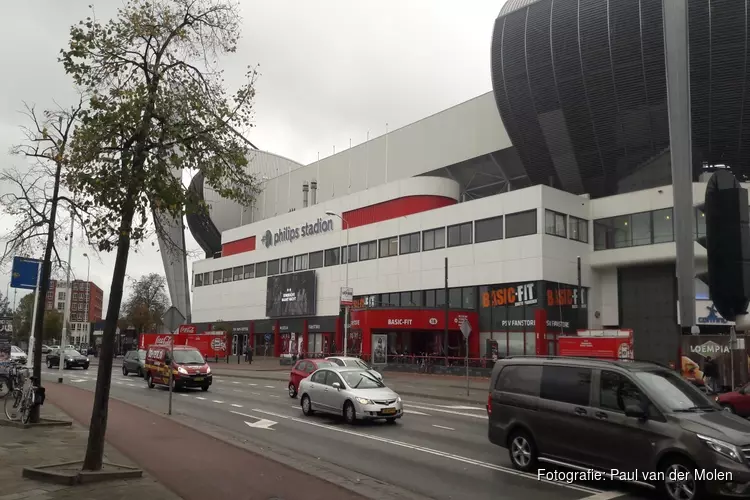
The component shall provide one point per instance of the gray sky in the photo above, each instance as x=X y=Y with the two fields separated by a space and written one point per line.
x=330 y=70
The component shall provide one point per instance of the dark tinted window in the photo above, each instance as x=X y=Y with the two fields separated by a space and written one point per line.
x=198 y=278
x=319 y=377
x=332 y=257
x=352 y=255
x=273 y=267
x=227 y=275
x=409 y=243
x=460 y=234
x=388 y=247
x=488 y=229
x=332 y=377
x=555 y=224
x=433 y=239
x=520 y=380
x=260 y=269
x=316 y=260
x=217 y=276
x=520 y=224
x=566 y=384
x=368 y=251
x=249 y=271
x=579 y=229
x=238 y=273
x=616 y=392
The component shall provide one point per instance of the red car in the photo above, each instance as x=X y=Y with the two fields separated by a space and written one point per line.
x=737 y=401
x=303 y=369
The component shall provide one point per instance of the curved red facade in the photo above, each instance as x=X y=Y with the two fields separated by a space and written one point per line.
x=393 y=209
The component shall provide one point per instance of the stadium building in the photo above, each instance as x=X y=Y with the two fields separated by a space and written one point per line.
x=568 y=157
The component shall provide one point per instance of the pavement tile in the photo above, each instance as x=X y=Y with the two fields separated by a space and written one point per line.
x=21 y=448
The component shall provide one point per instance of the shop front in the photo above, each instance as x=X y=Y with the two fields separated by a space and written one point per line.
x=291 y=335
x=240 y=336
x=393 y=335
x=263 y=337
x=321 y=335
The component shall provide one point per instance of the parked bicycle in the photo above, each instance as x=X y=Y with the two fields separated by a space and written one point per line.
x=24 y=395
x=5 y=381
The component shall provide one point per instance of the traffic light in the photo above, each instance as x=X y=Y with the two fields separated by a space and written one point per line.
x=727 y=242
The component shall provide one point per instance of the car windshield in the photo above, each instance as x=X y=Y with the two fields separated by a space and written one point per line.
x=324 y=364
x=361 y=379
x=72 y=352
x=15 y=349
x=142 y=354
x=357 y=363
x=673 y=391
x=188 y=357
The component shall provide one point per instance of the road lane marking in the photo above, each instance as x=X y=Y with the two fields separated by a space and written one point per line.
x=415 y=412
x=270 y=387
x=131 y=385
x=482 y=408
x=184 y=395
x=439 y=453
x=236 y=406
x=443 y=427
x=198 y=397
x=78 y=380
x=235 y=382
x=261 y=423
x=252 y=385
x=255 y=393
x=236 y=390
x=274 y=396
x=451 y=412
x=604 y=495
x=217 y=401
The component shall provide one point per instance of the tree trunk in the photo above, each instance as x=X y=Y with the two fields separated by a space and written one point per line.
x=98 y=425
x=38 y=327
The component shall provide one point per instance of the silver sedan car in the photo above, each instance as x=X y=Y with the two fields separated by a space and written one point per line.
x=352 y=392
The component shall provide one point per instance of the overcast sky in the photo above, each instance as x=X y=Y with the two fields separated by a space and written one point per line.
x=331 y=70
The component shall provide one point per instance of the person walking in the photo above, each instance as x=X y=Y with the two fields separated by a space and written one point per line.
x=710 y=374
x=249 y=354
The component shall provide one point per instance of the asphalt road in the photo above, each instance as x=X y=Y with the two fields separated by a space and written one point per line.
x=437 y=451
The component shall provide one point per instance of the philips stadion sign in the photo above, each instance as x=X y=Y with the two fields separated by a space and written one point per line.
x=290 y=234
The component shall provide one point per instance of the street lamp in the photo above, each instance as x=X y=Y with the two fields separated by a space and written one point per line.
x=346 y=279
x=88 y=296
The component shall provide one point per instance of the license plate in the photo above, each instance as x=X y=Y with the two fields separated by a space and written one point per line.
x=198 y=379
x=388 y=411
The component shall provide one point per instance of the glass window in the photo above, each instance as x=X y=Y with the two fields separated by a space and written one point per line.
x=520 y=379
x=516 y=339
x=416 y=298
x=488 y=229
x=260 y=269
x=388 y=247
x=579 y=229
x=663 y=226
x=520 y=224
x=700 y=224
x=206 y=279
x=273 y=267
x=217 y=277
x=316 y=260
x=249 y=271
x=429 y=298
x=469 y=298
x=603 y=234
x=227 y=275
x=409 y=243
x=454 y=298
x=622 y=231
x=433 y=239
x=301 y=262
x=554 y=224
x=406 y=299
x=394 y=300
x=319 y=377
x=616 y=392
x=198 y=278
x=287 y=265
x=238 y=273
x=641 y=228
x=460 y=234
x=352 y=254
x=440 y=297
x=566 y=384
x=368 y=250
x=332 y=257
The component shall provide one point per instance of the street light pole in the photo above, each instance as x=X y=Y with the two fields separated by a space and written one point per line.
x=66 y=312
x=88 y=298
x=346 y=279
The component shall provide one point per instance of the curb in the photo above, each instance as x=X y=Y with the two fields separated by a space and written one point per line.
x=43 y=422
x=47 y=473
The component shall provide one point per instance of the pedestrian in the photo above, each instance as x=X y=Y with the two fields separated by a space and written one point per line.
x=710 y=374
x=249 y=355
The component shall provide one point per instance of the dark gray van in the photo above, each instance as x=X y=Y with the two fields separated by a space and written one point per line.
x=631 y=421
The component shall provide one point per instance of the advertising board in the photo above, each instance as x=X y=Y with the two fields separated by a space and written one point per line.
x=291 y=295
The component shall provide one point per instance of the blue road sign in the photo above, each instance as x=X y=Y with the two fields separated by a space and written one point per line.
x=24 y=273
x=267 y=337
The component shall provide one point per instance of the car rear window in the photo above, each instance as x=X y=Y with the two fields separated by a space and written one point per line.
x=520 y=379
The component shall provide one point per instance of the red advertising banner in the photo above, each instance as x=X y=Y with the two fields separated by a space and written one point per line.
x=589 y=344
x=210 y=344
x=188 y=329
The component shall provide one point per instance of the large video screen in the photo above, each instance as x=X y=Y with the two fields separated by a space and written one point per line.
x=291 y=295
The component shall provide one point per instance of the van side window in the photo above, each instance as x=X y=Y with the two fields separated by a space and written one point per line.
x=616 y=391
x=567 y=384
x=520 y=379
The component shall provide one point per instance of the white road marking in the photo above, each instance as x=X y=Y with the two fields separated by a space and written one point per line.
x=255 y=393
x=595 y=493
x=604 y=495
x=78 y=380
x=198 y=397
x=261 y=423
x=465 y=408
x=131 y=385
x=236 y=406
x=236 y=390
x=235 y=382
x=415 y=412
x=184 y=395
x=462 y=414
x=270 y=387
x=217 y=401
x=252 y=385
x=274 y=396
x=443 y=427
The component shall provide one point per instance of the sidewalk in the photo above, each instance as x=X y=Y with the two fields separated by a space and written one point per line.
x=194 y=465
x=21 y=448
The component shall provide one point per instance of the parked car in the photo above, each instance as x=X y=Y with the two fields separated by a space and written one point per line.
x=71 y=359
x=189 y=369
x=17 y=355
x=45 y=349
x=352 y=392
x=736 y=401
x=302 y=369
x=352 y=362
x=577 y=413
x=134 y=362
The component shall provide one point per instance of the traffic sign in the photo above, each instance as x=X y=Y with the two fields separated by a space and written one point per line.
x=465 y=328
x=173 y=318
x=25 y=272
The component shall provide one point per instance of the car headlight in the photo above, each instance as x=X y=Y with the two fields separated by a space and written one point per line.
x=398 y=399
x=182 y=370
x=722 y=448
x=208 y=369
x=364 y=401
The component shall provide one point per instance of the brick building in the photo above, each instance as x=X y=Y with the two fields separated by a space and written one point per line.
x=86 y=301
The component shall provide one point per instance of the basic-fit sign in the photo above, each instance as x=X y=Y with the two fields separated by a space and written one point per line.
x=291 y=295
x=289 y=234
x=515 y=295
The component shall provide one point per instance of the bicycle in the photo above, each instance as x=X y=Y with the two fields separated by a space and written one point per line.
x=24 y=397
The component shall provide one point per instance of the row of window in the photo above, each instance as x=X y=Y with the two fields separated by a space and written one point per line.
x=566 y=226
x=62 y=295
x=570 y=385
x=458 y=298
x=643 y=228
x=480 y=231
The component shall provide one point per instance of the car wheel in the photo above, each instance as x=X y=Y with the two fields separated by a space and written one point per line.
x=390 y=421
x=49 y=364
x=522 y=451
x=678 y=482
x=307 y=405
x=350 y=414
x=139 y=372
x=66 y=367
x=124 y=371
x=85 y=367
x=729 y=408
x=149 y=381
x=204 y=388
x=292 y=391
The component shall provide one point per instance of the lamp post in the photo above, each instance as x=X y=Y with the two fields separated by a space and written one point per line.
x=88 y=297
x=346 y=279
